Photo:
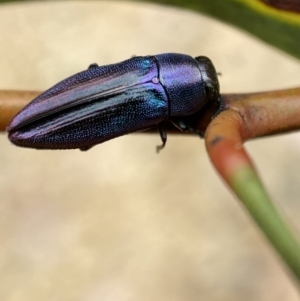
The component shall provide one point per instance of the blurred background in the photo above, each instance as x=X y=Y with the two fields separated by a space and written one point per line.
x=120 y=222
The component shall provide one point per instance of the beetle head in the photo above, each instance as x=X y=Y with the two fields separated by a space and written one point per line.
x=209 y=77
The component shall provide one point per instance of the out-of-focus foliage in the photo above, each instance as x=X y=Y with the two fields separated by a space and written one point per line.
x=277 y=27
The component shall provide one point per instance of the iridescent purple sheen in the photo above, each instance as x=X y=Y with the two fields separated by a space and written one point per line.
x=181 y=77
x=105 y=102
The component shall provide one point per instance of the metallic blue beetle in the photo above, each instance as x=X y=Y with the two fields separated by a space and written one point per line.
x=105 y=102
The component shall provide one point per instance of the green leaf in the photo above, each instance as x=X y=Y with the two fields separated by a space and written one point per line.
x=276 y=27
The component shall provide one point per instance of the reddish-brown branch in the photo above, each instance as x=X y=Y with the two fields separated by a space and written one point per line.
x=11 y=102
x=266 y=113
x=248 y=116
x=263 y=113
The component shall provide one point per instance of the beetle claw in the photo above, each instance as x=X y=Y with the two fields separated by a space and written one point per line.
x=163 y=136
x=86 y=148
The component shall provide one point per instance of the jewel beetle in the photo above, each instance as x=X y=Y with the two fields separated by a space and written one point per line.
x=104 y=102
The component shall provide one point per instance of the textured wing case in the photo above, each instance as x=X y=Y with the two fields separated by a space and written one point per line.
x=93 y=106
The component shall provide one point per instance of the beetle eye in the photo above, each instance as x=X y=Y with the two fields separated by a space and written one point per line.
x=211 y=93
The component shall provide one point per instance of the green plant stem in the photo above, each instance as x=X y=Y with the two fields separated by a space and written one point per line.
x=224 y=139
x=252 y=194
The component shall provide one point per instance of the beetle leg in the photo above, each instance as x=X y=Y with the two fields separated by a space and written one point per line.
x=181 y=125
x=185 y=127
x=94 y=65
x=163 y=136
x=86 y=148
x=220 y=108
x=198 y=133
